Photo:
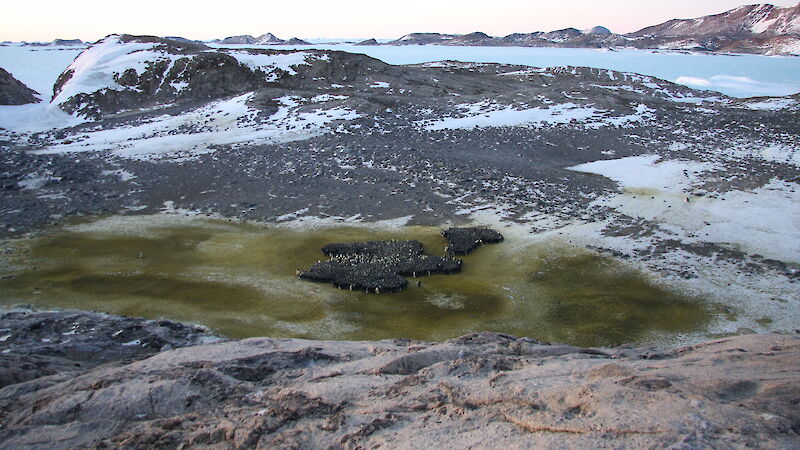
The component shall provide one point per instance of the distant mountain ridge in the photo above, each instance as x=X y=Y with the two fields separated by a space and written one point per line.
x=758 y=29
x=750 y=19
x=264 y=39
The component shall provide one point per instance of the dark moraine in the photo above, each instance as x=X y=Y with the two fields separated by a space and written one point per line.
x=377 y=266
x=463 y=241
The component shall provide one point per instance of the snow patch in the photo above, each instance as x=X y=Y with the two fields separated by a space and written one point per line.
x=748 y=221
x=489 y=114
x=273 y=65
x=99 y=66
x=224 y=122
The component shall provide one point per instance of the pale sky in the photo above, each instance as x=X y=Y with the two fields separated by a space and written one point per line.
x=90 y=20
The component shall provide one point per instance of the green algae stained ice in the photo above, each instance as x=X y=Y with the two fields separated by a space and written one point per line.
x=240 y=279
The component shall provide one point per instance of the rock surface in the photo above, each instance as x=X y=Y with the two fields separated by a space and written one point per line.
x=482 y=390
x=14 y=92
x=39 y=343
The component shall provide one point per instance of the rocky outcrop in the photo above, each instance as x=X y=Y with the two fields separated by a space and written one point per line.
x=14 y=92
x=34 y=344
x=423 y=39
x=124 y=73
x=479 y=390
x=368 y=42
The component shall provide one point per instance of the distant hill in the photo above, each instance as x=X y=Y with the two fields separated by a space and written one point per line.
x=269 y=38
x=238 y=40
x=751 y=19
x=372 y=41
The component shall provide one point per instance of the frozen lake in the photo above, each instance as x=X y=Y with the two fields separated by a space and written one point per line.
x=735 y=75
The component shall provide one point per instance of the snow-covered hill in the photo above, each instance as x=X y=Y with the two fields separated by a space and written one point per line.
x=123 y=72
x=750 y=19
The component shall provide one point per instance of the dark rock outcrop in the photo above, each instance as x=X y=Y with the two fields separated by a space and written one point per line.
x=40 y=343
x=376 y=266
x=462 y=241
x=368 y=42
x=203 y=75
x=297 y=41
x=14 y=92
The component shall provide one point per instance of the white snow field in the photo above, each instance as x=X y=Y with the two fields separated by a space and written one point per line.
x=489 y=114
x=661 y=191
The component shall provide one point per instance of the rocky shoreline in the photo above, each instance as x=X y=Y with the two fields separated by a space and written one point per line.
x=82 y=383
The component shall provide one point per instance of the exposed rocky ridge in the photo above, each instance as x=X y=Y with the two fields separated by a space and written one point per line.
x=479 y=390
x=14 y=92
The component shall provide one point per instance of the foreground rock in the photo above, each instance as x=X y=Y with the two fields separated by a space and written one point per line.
x=377 y=266
x=34 y=344
x=13 y=92
x=478 y=390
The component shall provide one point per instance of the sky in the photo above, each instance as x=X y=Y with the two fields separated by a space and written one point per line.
x=90 y=20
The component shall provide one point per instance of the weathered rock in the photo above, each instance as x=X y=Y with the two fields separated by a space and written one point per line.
x=480 y=390
x=465 y=240
x=14 y=92
x=39 y=343
x=377 y=266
